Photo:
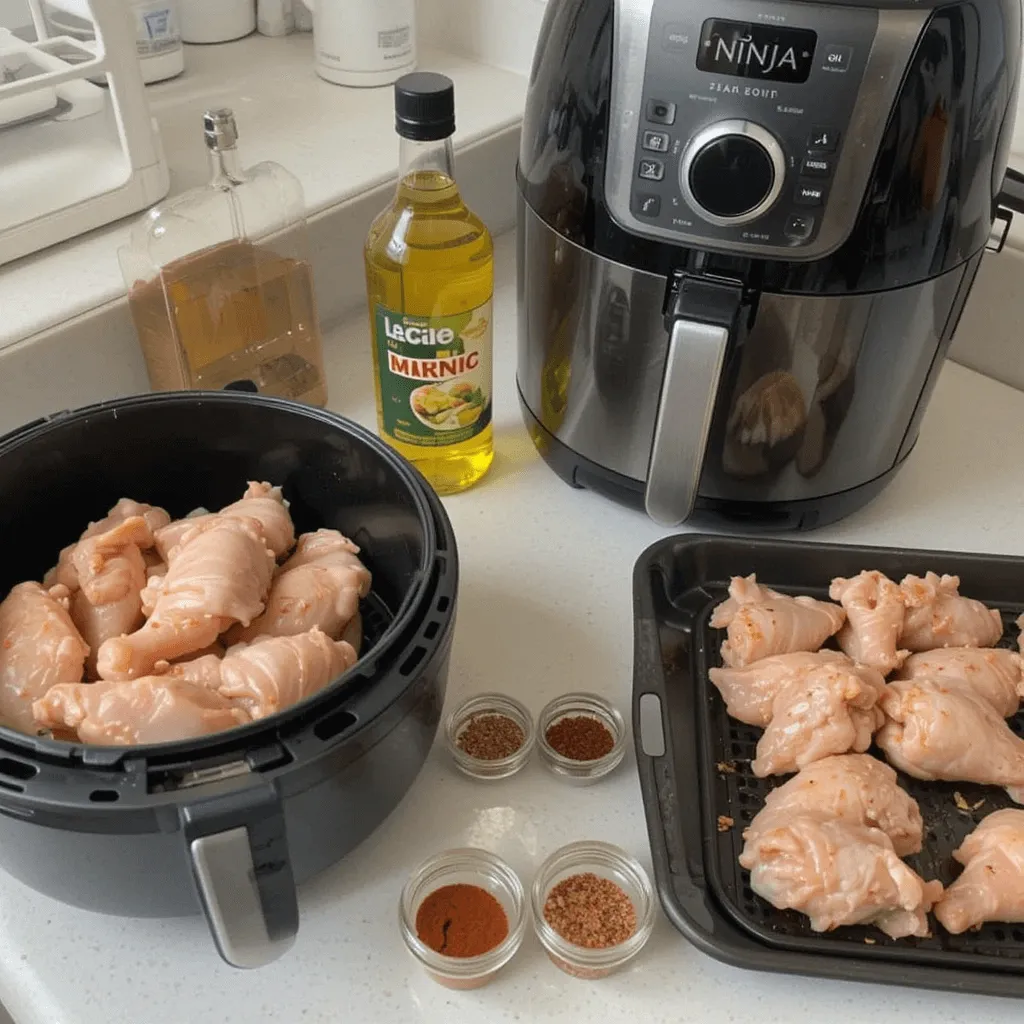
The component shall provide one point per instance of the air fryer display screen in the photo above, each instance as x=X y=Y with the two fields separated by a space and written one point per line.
x=766 y=52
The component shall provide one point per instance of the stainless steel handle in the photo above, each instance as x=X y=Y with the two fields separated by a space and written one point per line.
x=696 y=352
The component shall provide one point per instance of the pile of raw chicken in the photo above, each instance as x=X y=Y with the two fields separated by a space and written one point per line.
x=149 y=630
x=829 y=842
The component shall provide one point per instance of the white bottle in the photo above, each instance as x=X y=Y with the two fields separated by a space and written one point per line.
x=216 y=21
x=274 y=17
x=363 y=42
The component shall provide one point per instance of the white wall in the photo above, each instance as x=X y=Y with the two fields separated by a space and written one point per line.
x=14 y=14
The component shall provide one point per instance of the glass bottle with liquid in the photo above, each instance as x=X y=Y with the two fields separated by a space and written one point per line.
x=430 y=283
x=219 y=282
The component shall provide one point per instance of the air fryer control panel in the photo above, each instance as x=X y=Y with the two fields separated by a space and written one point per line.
x=748 y=126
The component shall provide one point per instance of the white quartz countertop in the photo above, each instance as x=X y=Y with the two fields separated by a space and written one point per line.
x=545 y=607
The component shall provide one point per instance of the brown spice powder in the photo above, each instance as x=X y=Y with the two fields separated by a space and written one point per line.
x=461 y=921
x=491 y=737
x=590 y=911
x=580 y=738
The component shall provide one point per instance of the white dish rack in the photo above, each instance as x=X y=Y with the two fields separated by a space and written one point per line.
x=74 y=155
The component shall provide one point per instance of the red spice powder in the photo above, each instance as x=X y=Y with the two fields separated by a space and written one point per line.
x=580 y=738
x=461 y=921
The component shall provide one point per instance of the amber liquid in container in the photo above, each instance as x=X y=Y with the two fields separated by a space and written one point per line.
x=233 y=309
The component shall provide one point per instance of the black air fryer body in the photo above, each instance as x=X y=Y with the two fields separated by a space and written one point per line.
x=747 y=232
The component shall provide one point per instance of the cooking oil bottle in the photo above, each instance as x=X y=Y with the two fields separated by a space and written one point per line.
x=430 y=283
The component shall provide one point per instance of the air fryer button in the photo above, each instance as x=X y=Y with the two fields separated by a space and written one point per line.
x=655 y=142
x=837 y=58
x=816 y=167
x=648 y=205
x=731 y=176
x=810 y=193
x=661 y=112
x=799 y=227
x=824 y=140
x=651 y=170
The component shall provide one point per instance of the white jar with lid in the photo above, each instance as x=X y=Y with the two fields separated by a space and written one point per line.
x=216 y=21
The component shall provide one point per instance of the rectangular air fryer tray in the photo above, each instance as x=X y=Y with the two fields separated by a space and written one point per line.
x=702 y=781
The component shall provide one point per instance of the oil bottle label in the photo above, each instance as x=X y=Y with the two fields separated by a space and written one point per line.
x=435 y=375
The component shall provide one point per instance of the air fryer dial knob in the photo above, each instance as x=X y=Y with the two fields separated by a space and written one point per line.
x=732 y=172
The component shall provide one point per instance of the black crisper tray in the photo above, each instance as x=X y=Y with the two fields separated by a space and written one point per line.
x=699 y=792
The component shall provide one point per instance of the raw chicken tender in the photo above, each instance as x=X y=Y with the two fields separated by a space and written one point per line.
x=750 y=692
x=761 y=623
x=838 y=873
x=39 y=647
x=993 y=673
x=64 y=571
x=991 y=887
x=111 y=573
x=319 y=586
x=937 y=616
x=274 y=673
x=874 y=608
x=203 y=670
x=261 y=502
x=831 y=710
x=857 y=788
x=153 y=709
x=219 y=574
x=944 y=730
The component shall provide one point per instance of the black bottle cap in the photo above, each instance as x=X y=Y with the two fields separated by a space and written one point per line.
x=425 y=106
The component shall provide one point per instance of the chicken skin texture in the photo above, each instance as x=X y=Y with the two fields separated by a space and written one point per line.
x=857 y=788
x=39 y=648
x=937 y=616
x=993 y=673
x=991 y=886
x=831 y=710
x=761 y=623
x=750 y=692
x=218 y=574
x=944 y=730
x=875 y=608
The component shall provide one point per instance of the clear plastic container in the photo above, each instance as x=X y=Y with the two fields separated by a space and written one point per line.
x=605 y=861
x=489 y=704
x=587 y=705
x=465 y=867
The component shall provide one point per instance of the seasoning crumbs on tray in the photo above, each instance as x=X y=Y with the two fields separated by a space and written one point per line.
x=725 y=823
x=726 y=767
x=870 y=942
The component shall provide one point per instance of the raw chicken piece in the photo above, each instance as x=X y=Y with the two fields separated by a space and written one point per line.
x=39 y=647
x=944 y=730
x=64 y=571
x=319 y=586
x=831 y=710
x=762 y=623
x=749 y=692
x=111 y=573
x=219 y=574
x=353 y=632
x=153 y=709
x=874 y=620
x=991 y=887
x=995 y=674
x=937 y=616
x=857 y=788
x=838 y=873
x=261 y=502
x=274 y=673
x=203 y=670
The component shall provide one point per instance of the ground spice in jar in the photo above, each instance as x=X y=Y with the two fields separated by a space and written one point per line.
x=580 y=738
x=491 y=737
x=590 y=911
x=461 y=921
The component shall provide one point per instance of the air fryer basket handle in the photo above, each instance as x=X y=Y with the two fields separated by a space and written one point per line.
x=238 y=849
x=701 y=320
x=1012 y=194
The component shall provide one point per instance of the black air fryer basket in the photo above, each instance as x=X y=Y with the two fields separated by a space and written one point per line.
x=228 y=823
x=700 y=794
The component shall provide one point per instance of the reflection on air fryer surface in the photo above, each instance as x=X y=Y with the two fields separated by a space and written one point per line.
x=149 y=631
x=829 y=842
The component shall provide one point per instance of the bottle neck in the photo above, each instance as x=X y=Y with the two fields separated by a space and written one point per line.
x=427 y=168
x=225 y=167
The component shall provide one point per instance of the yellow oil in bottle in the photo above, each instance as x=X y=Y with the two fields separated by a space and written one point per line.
x=430 y=285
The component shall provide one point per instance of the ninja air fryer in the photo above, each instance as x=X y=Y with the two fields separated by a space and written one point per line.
x=747 y=231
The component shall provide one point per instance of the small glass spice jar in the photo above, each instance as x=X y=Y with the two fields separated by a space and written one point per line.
x=609 y=863
x=597 y=714
x=498 y=721
x=464 y=867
